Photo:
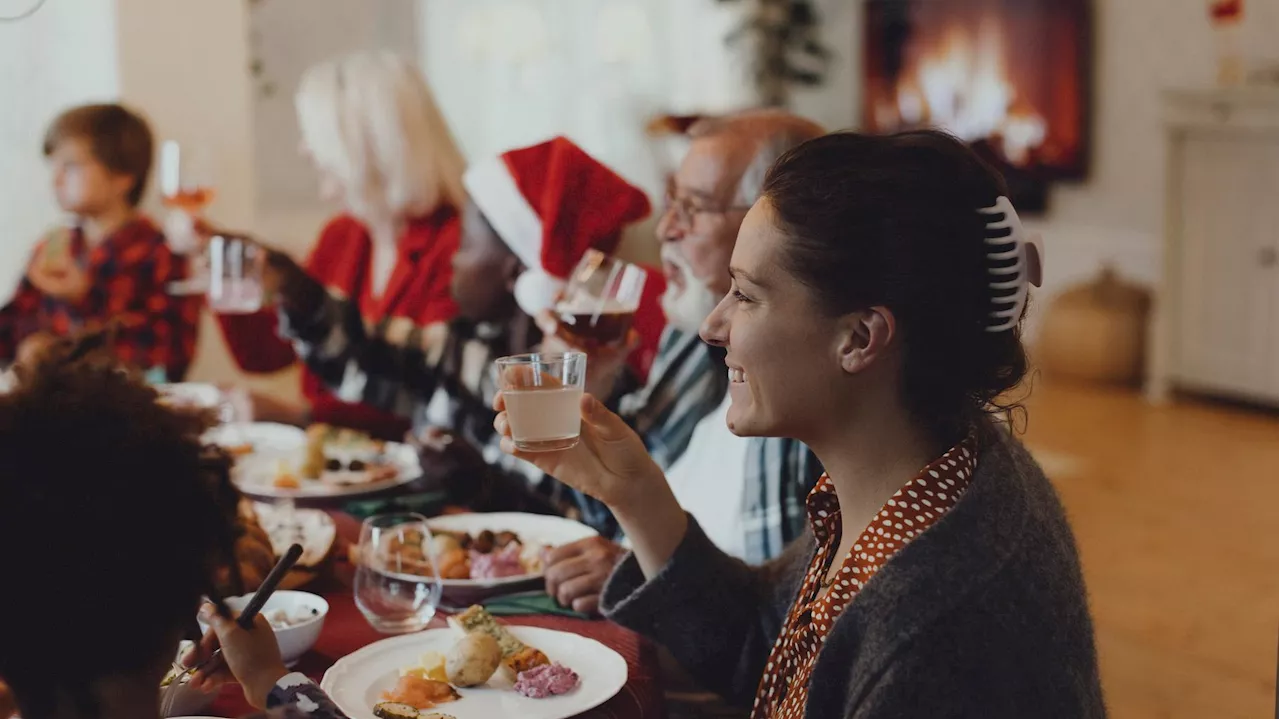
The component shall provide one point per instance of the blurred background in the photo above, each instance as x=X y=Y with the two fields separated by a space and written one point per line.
x=1139 y=138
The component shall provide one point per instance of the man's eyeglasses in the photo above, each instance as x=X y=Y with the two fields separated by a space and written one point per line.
x=686 y=208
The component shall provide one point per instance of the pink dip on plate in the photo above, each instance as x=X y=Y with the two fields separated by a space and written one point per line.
x=500 y=563
x=547 y=680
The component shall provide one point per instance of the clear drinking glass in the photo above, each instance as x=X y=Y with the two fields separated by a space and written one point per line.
x=397 y=586
x=543 y=394
x=235 y=276
x=600 y=301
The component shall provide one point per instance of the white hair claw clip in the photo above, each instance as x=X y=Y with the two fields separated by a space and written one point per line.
x=1026 y=251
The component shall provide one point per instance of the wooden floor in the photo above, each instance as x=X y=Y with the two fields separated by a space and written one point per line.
x=1175 y=511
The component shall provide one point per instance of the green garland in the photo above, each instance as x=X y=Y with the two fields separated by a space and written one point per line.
x=788 y=50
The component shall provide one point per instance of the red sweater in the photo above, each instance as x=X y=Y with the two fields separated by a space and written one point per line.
x=418 y=290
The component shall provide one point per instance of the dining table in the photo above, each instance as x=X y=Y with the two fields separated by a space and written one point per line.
x=346 y=630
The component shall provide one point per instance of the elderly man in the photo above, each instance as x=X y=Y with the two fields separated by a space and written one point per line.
x=747 y=493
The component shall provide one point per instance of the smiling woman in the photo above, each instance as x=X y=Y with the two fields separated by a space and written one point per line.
x=874 y=314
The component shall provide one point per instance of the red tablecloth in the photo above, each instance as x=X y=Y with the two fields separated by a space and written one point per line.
x=345 y=630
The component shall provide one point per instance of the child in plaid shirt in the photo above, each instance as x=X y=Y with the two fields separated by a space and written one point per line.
x=110 y=268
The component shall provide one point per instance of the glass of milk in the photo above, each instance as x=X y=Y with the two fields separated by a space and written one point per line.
x=543 y=394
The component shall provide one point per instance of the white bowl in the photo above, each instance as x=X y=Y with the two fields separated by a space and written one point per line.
x=294 y=641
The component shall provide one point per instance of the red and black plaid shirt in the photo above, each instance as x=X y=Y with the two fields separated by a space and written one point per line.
x=127 y=275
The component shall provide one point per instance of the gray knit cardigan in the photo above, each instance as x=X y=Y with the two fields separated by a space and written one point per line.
x=983 y=615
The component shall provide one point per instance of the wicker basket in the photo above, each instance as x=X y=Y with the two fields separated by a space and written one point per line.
x=1096 y=332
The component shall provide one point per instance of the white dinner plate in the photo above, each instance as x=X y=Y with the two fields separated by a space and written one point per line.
x=311 y=528
x=194 y=394
x=255 y=475
x=356 y=682
x=266 y=438
x=535 y=528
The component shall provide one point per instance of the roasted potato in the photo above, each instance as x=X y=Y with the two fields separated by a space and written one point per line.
x=473 y=659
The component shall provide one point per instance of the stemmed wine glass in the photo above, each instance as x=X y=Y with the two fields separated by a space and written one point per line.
x=397 y=585
x=600 y=301
x=186 y=188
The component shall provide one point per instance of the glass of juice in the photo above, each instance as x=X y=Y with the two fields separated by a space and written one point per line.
x=543 y=394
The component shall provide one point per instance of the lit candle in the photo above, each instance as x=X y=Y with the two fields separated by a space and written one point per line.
x=170 y=168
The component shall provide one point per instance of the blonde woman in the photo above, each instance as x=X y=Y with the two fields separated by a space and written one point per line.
x=383 y=152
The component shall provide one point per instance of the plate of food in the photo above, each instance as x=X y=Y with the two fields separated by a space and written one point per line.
x=264 y=533
x=478 y=668
x=327 y=462
x=261 y=439
x=481 y=555
x=311 y=528
x=199 y=395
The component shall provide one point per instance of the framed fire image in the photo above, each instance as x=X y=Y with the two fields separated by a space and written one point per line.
x=1010 y=77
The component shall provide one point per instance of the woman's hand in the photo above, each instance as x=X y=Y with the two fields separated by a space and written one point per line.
x=252 y=657
x=611 y=463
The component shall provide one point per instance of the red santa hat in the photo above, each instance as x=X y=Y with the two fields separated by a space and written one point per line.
x=551 y=203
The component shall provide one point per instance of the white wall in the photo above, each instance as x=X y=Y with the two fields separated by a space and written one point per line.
x=286 y=181
x=509 y=73
x=183 y=62
x=64 y=54
x=189 y=75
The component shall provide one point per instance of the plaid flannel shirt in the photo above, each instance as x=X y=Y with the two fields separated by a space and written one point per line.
x=128 y=275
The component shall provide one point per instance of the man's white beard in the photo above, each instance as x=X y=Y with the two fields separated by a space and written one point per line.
x=688 y=303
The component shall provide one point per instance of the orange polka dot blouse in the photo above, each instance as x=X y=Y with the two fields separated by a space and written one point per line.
x=912 y=510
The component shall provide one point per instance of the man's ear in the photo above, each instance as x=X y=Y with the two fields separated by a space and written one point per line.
x=864 y=336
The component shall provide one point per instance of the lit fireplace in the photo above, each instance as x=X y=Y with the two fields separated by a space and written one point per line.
x=1007 y=76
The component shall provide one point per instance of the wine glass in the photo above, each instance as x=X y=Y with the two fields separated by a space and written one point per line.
x=186 y=188
x=599 y=302
x=397 y=586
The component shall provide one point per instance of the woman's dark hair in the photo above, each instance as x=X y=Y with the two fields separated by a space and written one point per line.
x=893 y=221
x=110 y=524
